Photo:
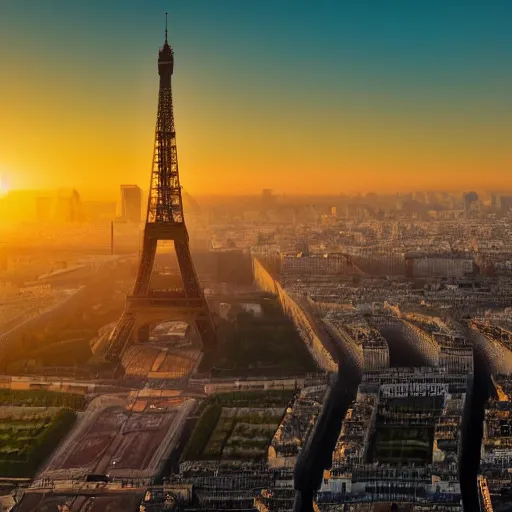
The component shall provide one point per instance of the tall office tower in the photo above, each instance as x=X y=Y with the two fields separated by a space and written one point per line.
x=469 y=198
x=131 y=203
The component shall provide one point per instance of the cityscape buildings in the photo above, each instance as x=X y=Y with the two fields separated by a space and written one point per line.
x=131 y=203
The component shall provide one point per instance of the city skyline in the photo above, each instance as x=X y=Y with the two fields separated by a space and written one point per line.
x=332 y=99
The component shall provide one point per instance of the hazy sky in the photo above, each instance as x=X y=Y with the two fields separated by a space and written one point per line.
x=298 y=96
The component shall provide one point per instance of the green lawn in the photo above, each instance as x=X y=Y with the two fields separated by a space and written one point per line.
x=266 y=345
x=237 y=425
x=41 y=398
x=398 y=445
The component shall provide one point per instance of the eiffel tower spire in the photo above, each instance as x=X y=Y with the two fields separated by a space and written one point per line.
x=165 y=28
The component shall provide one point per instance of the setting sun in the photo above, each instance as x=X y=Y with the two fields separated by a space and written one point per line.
x=4 y=187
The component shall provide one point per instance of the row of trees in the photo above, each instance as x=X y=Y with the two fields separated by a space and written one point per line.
x=25 y=463
x=267 y=398
x=202 y=432
x=41 y=398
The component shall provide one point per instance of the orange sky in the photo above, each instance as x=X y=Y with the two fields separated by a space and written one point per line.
x=342 y=112
x=57 y=143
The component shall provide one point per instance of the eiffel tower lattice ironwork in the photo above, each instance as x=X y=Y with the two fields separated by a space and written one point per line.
x=164 y=221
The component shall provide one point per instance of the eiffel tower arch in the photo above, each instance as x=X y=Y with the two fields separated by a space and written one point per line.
x=165 y=221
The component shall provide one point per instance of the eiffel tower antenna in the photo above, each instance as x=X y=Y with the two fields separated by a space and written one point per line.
x=166 y=29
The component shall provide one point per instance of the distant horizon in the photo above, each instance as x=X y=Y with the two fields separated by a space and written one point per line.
x=112 y=191
x=109 y=195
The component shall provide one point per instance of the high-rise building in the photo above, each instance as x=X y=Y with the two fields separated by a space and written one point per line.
x=469 y=199
x=131 y=203
x=505 y=203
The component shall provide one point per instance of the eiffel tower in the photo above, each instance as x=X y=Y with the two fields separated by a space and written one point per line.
x=164 y=221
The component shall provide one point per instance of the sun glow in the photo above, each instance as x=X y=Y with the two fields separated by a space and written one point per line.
x=4 y=189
